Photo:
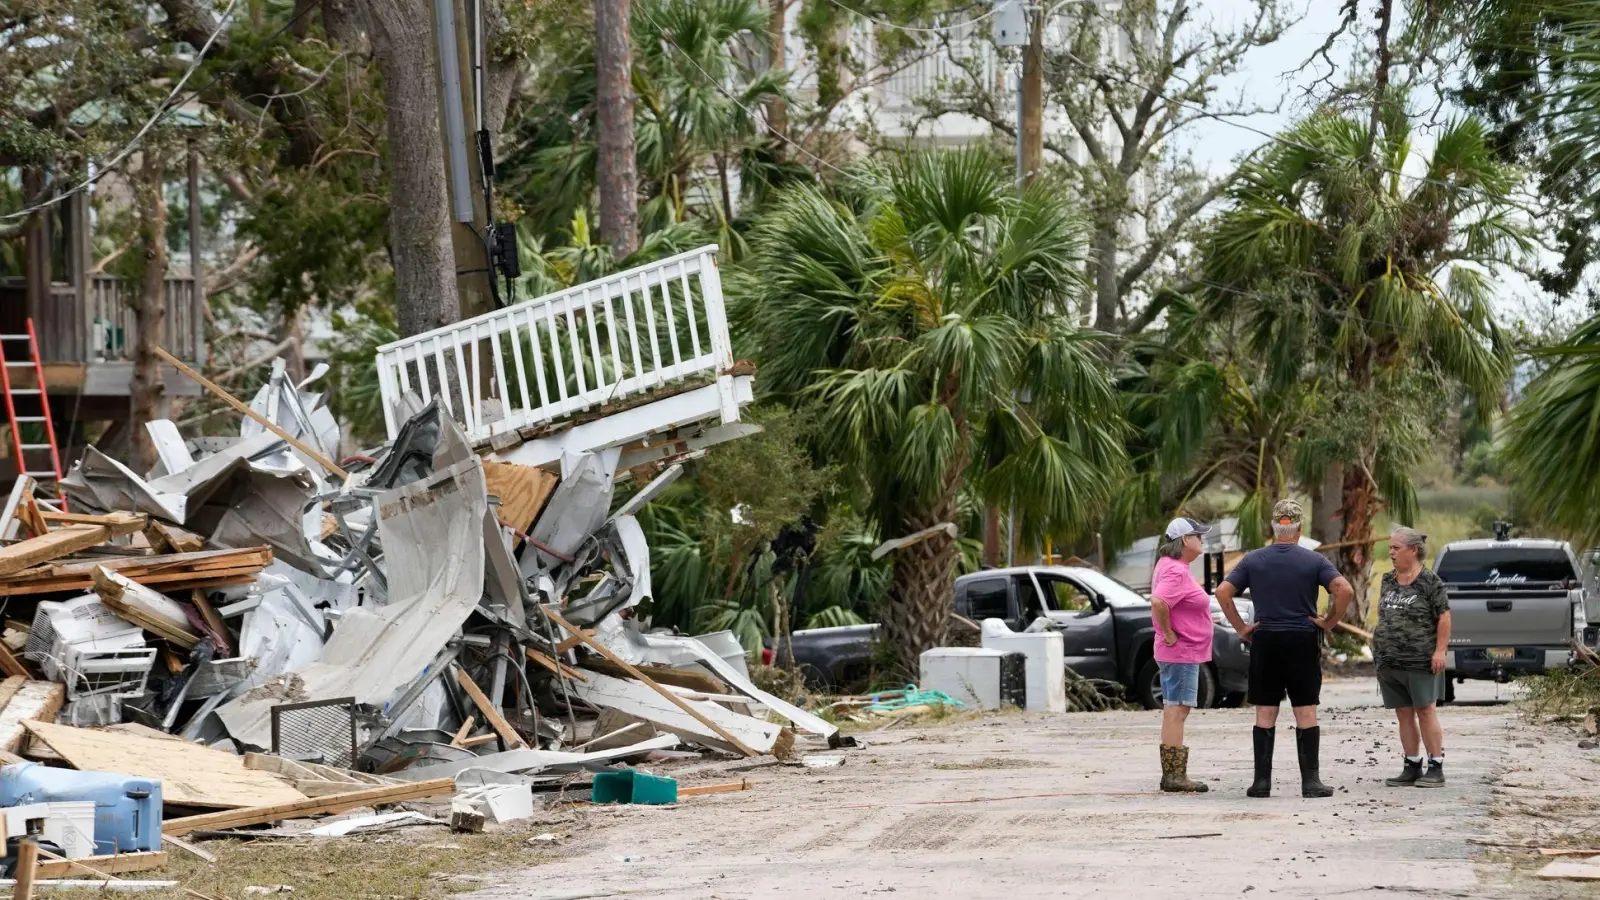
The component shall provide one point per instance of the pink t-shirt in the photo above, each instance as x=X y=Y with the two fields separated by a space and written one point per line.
x=1191 y=613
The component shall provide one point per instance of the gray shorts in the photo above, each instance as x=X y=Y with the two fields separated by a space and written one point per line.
x=1409 y=688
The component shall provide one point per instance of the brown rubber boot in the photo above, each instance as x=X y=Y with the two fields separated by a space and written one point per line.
x=1175 y=772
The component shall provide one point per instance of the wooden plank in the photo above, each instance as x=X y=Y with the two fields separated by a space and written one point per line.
x=635 y=700
x=1546 y=851
x=238 y=818
x=50 y=516
x=37 y=700
x=481 y=739
x=190 y=774
x=31 y=517
x=20 y=488
x=265 y=422
x=556 y=666
x=491 y=715
x=694 y=681
x=166 y=540
x=677 y=701
x=173 y=580
x=10 y=665
x=567 y=645
x=9 y=688
x=213 y=621
x=101 y=866
x=151 y=610
x=26 y=869
x=56 y=544
x=207 y=567
x=466 y=729
x=522 y=490
x=702 y=790
x=185 y=846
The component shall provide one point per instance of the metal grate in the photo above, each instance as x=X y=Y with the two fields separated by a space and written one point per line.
x=320 y=730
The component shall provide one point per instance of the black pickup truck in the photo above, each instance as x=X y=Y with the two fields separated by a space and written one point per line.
x=1105 y=626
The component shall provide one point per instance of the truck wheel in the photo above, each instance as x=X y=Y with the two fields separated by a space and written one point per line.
x=1147 y=687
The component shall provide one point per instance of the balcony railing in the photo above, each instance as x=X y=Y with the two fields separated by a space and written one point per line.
x=591 y=346
x=100 y=326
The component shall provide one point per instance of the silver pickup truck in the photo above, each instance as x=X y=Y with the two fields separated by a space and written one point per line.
x=1516 y=606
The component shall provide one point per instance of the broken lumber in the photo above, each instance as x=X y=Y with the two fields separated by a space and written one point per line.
x=265 y=422
x=29 y=514
x=1362 y=633
x=50 y=516
x=190 y=774
x=35 y=701
x=702 y=723
x=491 y=715
x=466 y=729
x=153 y=611
x=12 y=513
x=694 y=681
x=59 y=543
x=101 y=866
x=163 y=539
x=26 y=870
x=715 y=788
x=672 y=698
x=256 y=815
x=197 y=596
x=204 y=569
x=554 y=665
x=185 y=846
x=10 y=665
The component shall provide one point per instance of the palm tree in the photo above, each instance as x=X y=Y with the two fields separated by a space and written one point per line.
x=1552 y=441
x=924 y=319
x=1343 y=272
x=697 y=75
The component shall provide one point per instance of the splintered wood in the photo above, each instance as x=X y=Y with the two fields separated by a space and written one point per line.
x=27 y=700
x=190 y=774
x=153 y=611
x=212 y=568
x=66 y=540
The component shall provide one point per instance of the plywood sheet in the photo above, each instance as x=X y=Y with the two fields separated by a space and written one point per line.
x=522 y=491
x=191 y=775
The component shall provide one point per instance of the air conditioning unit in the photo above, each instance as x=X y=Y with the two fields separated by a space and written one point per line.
x=89 y=648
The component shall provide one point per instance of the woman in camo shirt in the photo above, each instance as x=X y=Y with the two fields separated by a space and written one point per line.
x=1409 y=647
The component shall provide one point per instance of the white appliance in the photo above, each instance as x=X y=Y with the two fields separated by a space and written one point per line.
x=979 y=677
x=83 y=644
x=1045 y=651
x=68 y=825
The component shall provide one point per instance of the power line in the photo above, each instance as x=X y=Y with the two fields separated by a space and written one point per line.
x=999 y=6
x=167 y=105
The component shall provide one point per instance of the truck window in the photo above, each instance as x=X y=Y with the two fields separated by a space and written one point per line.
x=1065 y=596
x=987 y=600
x=1505 y=565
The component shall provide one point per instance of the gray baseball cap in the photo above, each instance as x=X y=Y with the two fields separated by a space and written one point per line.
x=1184 y=526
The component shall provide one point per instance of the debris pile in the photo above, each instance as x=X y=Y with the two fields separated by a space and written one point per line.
x=252 y=633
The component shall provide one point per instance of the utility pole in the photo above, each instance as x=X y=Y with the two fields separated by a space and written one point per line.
x=469 y=215
x=618 y=167
x=777 y=107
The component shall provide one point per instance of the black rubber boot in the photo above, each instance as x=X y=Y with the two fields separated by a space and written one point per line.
x=1263 y=739
x=1434 y=777
x=1308 y=741
x=1408 y=775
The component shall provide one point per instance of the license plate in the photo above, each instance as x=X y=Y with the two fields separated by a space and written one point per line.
x=1502 y=653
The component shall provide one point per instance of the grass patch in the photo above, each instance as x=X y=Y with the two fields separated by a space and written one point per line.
x=414 y=862
x=1560 y=694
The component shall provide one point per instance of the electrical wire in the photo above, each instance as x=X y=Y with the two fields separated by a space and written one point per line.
x=999 y=6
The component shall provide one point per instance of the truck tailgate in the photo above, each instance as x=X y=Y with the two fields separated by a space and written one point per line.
x=1491 y=618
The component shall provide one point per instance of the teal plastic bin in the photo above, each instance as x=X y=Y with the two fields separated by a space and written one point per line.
x=629 y=786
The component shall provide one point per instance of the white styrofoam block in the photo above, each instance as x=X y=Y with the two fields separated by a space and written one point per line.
x=499 y=802
x=1047 y=689
x=969 y=674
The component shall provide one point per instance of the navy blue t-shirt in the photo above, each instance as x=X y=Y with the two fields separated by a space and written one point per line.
x=1282 y=580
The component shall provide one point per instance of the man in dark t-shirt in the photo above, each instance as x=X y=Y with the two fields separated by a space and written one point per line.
x=1285 y=640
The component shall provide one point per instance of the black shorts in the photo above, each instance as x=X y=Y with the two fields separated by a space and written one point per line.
x=1285 y=663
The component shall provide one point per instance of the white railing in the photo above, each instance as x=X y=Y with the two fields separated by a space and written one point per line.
x=585 y=347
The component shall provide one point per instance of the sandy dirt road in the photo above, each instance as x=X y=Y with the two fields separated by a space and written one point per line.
x=1025 y=805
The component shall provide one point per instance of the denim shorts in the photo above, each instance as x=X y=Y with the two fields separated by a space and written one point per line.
x=1180 y=683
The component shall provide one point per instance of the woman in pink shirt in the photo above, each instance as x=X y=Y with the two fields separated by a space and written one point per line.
x=1182 y=615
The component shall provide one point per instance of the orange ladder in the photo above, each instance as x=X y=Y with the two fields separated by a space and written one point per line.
x=21 y=450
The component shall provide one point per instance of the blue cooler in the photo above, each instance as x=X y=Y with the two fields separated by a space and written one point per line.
x=127 y=810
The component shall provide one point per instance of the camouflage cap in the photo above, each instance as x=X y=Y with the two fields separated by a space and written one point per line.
x=1288 y=509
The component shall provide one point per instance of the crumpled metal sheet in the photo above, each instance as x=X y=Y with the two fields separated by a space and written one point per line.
x=575 y=510
x=432 y=535
x=627 y=584
x=101 y=483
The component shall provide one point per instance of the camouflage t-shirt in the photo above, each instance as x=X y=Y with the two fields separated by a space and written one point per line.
x=1408 y=620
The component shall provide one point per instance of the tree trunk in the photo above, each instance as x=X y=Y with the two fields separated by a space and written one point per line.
x=920 y=600
x=618 y=169
x=1354 y=559
x=778 y=107
x=1325 y=509
x=1105 y=277
x=1032 y=136
x=419 y=216
x=149 y=310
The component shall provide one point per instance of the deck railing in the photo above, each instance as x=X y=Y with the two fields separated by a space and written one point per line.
x=100 y=327
x=589 y=346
